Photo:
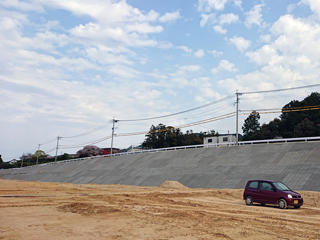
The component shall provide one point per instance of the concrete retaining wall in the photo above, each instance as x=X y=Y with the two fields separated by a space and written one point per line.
x=296 y=164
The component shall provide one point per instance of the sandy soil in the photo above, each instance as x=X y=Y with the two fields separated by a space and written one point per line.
x=36 y=210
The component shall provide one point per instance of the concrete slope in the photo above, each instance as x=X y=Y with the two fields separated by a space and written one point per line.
x=296 y=164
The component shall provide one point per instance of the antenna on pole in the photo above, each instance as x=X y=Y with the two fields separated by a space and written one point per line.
x=38 y=153
x=112 y=135
x=237 y=116
x=55 y=160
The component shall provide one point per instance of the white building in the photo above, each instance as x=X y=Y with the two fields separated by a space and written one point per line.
x=223 y=138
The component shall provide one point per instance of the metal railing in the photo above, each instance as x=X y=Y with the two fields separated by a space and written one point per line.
x=240 y=143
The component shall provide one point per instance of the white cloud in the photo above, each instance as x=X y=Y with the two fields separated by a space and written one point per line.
x=254 y=16
x=238 y=3
x=291 y=58
x=207 y=5
x=224 y=65
x=147 y=96
x=170 y=17
x=123 y=71
x=291 y=7
x=215 y=53
x=185 y=48
x=207 y=19
x=265 y=38
x=165 y=44
x=114 y=21
x=24 y=6
x=296 y=37
x=104 y=55
x=241 y=43
x=264 y=55
x=219 y=29
x=190 y=68
x=143 y=28
x=228 y=18
x=199 y=54
x=181 y=77
x=314 y=6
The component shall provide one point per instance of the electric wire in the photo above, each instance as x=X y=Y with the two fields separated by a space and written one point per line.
x=84 y=144
x=283 y=110
x=232 y=114
x=174 y=114
x=102 y=126
x=48 y=141
x=50 y=150
x=280 y=90
x=210 y=111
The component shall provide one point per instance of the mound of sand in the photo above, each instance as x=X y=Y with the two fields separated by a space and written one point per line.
x=172 y=184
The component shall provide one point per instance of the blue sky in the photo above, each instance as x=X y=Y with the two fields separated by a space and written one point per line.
x=67 y=67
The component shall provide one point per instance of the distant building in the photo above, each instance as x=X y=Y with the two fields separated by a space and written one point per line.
x=222 y=138
x=106 y=151
x=13 y=161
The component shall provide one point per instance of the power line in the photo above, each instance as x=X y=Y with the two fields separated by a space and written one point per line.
x=102 y=126
x=202 y=114
x=282 y=110
x=228 y=115
x=84 y=144
x=173 y=114
x=48 y=141
x=280 y=90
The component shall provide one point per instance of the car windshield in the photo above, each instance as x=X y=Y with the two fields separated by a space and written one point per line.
x=281 y=187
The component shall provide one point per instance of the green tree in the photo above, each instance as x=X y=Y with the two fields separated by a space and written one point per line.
x=251 y=126
x=26 y=159
x=268 y=131
x=4 y=165
x=305 y=128
x=162 y=136
x=39 y=154
x=290 y=119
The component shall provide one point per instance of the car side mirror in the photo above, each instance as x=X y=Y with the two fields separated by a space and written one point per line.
x=274 y=190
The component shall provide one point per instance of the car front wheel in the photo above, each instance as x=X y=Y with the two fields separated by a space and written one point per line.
x=248 y=200
x=282 y=204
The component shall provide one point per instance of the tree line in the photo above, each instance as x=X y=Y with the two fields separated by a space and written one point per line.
x=292 y=122
x=162 y=136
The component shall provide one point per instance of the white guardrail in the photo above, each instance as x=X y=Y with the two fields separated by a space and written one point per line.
x=282 y=140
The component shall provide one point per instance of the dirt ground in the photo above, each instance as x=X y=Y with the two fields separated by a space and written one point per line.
x=37 y=210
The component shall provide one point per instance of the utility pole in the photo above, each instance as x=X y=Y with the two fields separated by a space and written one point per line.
x=113 y=122
x=22 y=160
x=55 y=160
x=237 y=116
x=38 y=153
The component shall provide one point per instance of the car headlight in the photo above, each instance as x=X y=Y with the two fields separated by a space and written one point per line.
x=289 y=196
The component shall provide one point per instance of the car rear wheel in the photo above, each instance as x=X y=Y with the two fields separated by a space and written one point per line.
x=248 y=200
x=282 y=204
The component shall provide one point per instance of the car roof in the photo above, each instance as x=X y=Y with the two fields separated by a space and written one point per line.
x=262 y=180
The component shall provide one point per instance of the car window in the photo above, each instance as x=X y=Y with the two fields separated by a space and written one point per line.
x=280 y=186
x=266 y=186
x=253 y=184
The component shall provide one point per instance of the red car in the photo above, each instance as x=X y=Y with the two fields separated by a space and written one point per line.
x=271 y=192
